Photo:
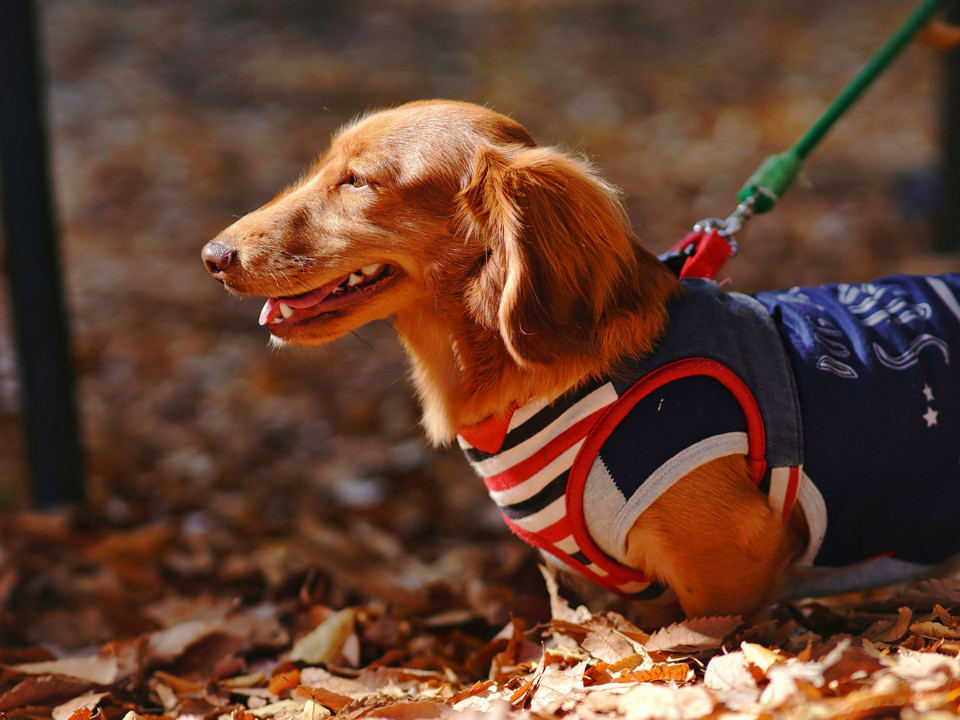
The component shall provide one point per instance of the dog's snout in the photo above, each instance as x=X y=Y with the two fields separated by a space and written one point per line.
x=218 y=257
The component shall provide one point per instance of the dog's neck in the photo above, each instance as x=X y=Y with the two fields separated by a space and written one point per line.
x=464 y=373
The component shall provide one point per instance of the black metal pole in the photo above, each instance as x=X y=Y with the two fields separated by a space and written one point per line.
x=33 y=270
x=947 y=237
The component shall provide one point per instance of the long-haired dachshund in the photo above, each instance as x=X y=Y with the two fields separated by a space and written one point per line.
x=661 y=437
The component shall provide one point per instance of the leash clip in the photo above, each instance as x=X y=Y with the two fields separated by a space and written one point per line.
x=732 y=224
x=711 y=243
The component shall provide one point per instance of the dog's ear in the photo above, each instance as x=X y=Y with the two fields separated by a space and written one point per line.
x=561 y=262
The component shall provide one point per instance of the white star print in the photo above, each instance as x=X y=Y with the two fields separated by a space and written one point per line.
x=930 y=416
x=928 y=393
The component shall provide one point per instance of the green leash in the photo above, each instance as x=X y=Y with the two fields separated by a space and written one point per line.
x=770 y=181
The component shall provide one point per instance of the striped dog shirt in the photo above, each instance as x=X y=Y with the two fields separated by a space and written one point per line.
x=839 y=396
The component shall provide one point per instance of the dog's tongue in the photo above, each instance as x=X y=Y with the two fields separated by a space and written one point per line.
x=271 y=308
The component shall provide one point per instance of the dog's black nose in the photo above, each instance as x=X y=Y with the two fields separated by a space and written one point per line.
x=217 y=256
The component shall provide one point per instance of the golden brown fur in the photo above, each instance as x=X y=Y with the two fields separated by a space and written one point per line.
x=515 y=276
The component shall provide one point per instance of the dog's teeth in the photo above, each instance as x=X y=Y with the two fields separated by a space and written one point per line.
x=276 y=321
x=354 y=279
x=285 y=310
x=371 y=269
x=337 y=290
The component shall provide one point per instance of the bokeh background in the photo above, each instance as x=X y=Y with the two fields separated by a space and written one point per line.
x=169 y=119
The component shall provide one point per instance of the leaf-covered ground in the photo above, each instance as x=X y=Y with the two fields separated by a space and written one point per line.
x=268 y=534
x=208 y=629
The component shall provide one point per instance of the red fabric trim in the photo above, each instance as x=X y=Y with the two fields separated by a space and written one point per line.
x=539 y=542
x=488 y=435
x=615 y=413
x=513 y=476
x=790 y=497
x=556 y=532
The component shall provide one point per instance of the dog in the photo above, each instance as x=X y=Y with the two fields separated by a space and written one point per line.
x=672 y=442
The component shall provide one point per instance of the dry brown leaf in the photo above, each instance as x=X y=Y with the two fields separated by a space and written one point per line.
x=284 y=681
x=243 y=681
x=478 y=688
x=179 y=684
x=871 y=702
x=651 y=701
x=945 y=617
x=889 y=631
x=140 y=544
x=331 y=700
x=845 y=663
x=924 y=670
x=167 y=645
x=760 y=657
x=693 y=635
x=661 y=672
x=631 y=662
x=607 y=644
x=71 y=708
x=559 y=608
x=935 y=631
x=284 y=708
x=41 y=690
x=98 y=669
x=730 y=676
x=326 y=642
x=555 y=687
x=412 y=710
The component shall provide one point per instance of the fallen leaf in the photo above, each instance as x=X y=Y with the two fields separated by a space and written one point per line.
x=328 y=699
x=760 y=657
x=181 y=685
x=871 y=702
x=284 y=681
x=325 y=643
x=478 y=688
x=935 y=631
x=559 y=608
x=945 y=617
x=167 y=645
x=314 y=711
x=662 y=702
x=924 y=670
x=411 y=710
x=555 y=687
x=661 y=672
x=607 y=644
x=890 y=631
x=630 y=662
x=730 y=675
x=695 y=634
x=277 y=708
x=87 y=702
x=99 y=669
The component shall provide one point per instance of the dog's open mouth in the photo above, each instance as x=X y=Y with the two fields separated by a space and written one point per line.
x=346 y=290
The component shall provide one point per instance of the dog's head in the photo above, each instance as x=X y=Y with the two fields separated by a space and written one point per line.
x=448 y=209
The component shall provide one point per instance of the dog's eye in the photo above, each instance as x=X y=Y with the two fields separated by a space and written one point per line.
x=354 y=180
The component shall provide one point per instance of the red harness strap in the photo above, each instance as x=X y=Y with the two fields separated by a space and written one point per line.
x=710 y=251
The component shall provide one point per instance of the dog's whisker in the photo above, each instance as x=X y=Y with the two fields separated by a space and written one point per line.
x=363 y=341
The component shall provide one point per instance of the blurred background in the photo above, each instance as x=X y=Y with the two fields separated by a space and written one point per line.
x=252 y=469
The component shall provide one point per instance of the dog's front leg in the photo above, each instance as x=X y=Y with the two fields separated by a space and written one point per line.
x=714 y=540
